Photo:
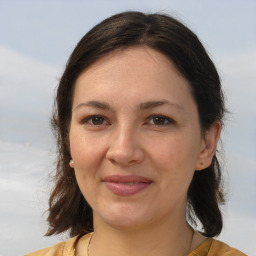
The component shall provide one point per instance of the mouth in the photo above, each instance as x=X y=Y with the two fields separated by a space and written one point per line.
x=126 y=185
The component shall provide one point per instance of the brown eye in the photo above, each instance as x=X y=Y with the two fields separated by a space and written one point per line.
x=160 y=120
x=95 y=120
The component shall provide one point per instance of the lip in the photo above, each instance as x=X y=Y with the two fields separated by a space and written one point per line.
x=126 y=185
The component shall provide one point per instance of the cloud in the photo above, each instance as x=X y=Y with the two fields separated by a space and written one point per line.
x=239 y=233
x=239 y=65
x=24 y=189
x=19 y=68
x=238 y=75
x=24 y=193
x=26 y=98
x=237 y=71
x=240 y=177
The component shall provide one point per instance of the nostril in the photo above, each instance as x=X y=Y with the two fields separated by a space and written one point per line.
x=125 y=156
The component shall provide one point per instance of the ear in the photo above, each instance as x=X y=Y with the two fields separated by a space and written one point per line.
x=208 y=147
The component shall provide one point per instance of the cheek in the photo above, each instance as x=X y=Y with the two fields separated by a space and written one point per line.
x=86 y=155
x=167 y=151
x=85 y=149
x=174 y=158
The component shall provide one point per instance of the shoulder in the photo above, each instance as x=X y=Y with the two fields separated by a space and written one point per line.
x=65 y=248
x=213 y=247
x=220 y=248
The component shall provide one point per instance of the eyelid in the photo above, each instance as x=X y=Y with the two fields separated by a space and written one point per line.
x=88 y=118
x=170 y=120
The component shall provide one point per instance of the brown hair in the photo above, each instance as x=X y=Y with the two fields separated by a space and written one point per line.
x=68 y=210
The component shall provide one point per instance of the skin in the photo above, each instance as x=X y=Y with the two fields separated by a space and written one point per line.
x=161 y=142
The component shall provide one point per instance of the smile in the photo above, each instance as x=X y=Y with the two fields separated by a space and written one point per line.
x=126 y=185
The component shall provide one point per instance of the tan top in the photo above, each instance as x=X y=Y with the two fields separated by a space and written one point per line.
x=210 y=247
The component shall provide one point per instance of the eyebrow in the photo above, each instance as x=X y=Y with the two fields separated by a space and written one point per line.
x=95 y=104
x=142 y=106
x=153 y=104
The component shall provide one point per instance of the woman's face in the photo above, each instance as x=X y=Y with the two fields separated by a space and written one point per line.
x=135 y=138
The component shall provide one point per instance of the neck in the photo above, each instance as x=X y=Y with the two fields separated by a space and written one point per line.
x=170 y=238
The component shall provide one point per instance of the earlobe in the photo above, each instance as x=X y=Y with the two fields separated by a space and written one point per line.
x=71 y=163
x=209 y=145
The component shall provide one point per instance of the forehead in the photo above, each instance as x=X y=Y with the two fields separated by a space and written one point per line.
x=133 y=73
x=135 y=56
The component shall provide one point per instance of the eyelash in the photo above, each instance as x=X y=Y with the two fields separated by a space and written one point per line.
x=162 y=118
x=89 y=120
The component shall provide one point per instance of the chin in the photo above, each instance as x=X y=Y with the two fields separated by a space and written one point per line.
x=125 y=219
x=125 y=224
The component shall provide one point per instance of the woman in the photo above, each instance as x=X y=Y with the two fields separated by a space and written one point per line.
x=138 y=116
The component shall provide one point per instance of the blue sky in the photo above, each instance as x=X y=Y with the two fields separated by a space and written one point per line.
x=48 y=30
x=36 y=38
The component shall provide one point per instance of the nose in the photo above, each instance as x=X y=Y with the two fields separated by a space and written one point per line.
x=124 y=148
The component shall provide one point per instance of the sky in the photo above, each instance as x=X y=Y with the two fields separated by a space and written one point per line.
x=36 y=39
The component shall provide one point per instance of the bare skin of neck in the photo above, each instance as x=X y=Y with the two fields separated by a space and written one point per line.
x=174 y=238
